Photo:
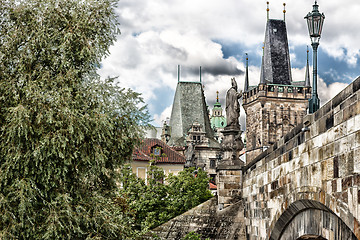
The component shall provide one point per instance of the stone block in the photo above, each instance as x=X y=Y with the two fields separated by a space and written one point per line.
x=357 y=161
x=350 y=125
x=340 y=131
x=327 y=170
x=338 y=117
x=350 y=112
x=329 y=151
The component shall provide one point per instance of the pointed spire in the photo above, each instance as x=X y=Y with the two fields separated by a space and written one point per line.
x=178 y=73
x=267 y=10
x=246 y=86
x=307 y=73
x=262 y=77
x=217 y=96
x=284 y=10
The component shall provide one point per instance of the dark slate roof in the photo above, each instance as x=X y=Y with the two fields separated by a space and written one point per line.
x=276 y=64
x=189 y=106
x=143 y=152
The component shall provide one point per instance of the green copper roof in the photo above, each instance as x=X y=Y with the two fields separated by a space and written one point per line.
x=217 y=105
x=218 y=122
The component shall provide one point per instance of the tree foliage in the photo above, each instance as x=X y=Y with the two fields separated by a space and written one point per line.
x=192 y=236
x=63 y=131
x=155 y=203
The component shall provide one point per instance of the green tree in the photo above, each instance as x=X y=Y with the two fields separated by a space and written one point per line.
x=188 y=189
x=155 y=203
x=192 y=236
x=63 y=131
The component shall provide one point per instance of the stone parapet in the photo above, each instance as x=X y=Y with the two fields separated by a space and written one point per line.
x=207 y=221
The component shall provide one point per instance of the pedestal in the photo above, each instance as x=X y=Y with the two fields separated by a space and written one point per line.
x=229 y=169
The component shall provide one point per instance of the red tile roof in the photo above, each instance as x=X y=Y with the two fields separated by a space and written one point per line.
x=212 y=186
x=143 y=152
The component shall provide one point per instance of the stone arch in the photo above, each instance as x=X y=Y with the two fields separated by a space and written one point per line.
x=315 y=198
x=310 y=219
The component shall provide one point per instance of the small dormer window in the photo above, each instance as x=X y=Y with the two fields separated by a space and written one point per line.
x=157 y=151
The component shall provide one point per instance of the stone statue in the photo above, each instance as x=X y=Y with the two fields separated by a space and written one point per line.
x=233 y=106
x=190 y=155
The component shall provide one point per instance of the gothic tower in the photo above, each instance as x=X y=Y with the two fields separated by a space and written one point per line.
x=277 y=103
x=190 y=125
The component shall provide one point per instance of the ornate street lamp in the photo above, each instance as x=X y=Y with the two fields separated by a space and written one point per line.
x=315 y=21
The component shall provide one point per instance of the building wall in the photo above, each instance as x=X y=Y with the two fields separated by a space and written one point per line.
x=205 y=156
x=140 y=168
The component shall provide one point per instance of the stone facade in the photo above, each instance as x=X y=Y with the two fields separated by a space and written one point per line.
x=271 y=112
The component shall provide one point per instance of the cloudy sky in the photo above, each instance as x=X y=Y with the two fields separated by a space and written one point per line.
x=158 y=35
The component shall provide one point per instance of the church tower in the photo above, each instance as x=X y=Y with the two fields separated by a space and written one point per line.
x=277 y=103
x=217 y=120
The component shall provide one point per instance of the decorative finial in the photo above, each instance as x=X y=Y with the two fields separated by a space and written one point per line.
x=267 y=10
x=217 y=96
x=284 y=10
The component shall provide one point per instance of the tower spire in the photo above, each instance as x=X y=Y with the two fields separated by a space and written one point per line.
x=217 y=96
x=307 y=72
x=267 y=10
x=178 y=73
x=246 y=86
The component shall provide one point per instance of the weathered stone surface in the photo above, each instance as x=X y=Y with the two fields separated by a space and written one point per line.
x=208 y=221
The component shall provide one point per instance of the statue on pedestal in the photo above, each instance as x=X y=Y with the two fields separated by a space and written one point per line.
x=233 y=106
x=190 y=155
x=232 y=143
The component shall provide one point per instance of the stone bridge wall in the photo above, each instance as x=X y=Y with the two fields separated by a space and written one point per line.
x=316 y=166
x=208 y=221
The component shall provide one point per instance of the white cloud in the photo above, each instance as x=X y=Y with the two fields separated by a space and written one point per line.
x=158 y=35
x=164 y=116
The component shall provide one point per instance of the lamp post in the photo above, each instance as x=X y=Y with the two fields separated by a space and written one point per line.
x=315 y=21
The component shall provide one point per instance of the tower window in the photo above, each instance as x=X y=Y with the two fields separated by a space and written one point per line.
x=280 y=89
x=271 y=88
x=212 y=163
x=290 y=89
x=299 y=90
